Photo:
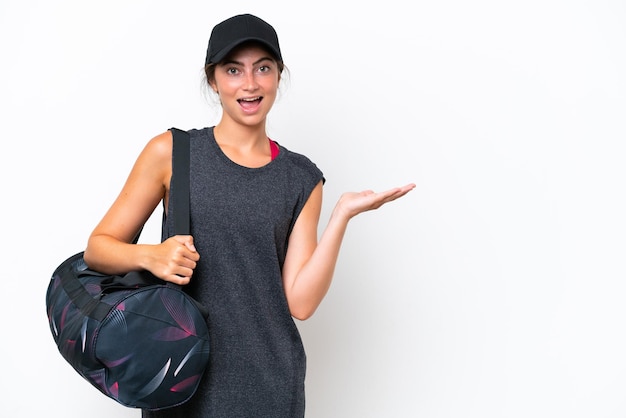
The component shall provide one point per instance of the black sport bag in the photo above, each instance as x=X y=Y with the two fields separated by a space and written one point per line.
x=138 y=339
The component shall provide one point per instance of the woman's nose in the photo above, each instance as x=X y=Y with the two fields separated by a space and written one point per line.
x=250 y=82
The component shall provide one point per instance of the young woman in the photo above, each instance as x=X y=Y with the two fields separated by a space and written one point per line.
x=253 y=256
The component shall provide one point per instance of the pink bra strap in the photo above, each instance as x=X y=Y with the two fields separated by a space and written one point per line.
x=274 y=149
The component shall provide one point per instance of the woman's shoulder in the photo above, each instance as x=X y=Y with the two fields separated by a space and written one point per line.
x=160 y=146
x=194 y=132
x=293 y=156
x=299 y=161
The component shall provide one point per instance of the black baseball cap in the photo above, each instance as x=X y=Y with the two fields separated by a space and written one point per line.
x=238 y=29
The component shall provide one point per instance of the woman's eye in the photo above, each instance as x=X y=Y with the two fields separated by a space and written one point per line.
x=232 y=71
x=264 y=68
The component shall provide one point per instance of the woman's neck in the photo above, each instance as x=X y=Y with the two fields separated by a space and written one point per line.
x=238 y=135
x=246 y=146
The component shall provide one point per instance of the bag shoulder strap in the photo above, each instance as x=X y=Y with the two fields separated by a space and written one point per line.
x=180 y=181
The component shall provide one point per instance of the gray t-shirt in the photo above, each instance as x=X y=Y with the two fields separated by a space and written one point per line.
x=241 y=219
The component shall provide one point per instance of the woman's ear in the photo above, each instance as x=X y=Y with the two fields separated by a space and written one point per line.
x=213 y=86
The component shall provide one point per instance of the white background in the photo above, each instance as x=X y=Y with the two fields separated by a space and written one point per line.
x=495 y=289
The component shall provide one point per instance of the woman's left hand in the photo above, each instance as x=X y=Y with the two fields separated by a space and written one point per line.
x=351 y=204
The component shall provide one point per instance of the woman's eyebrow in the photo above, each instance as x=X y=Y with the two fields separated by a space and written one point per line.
x=241 y=63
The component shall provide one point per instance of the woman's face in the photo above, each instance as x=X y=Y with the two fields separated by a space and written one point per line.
x=247 y=83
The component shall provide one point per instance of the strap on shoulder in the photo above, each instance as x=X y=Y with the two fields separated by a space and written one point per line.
x=180 y=181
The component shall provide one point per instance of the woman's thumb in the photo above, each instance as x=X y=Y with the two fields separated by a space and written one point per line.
x=189 y=244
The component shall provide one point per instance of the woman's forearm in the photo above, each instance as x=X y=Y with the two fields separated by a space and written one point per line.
x=314 y=278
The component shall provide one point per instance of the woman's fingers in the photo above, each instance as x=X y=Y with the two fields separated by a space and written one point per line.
x=180 y=258
x=366 y=200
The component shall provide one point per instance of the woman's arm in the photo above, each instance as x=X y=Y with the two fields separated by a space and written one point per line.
x=309 y=264
x=109 y=247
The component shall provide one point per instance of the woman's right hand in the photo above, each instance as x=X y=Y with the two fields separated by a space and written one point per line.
x=174 y=259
